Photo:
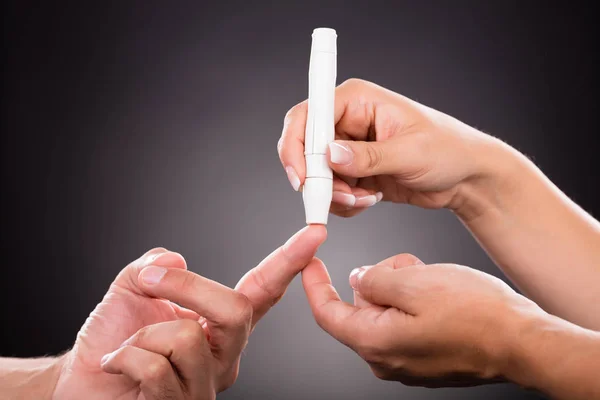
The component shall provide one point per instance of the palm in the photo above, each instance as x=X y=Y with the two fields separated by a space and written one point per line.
x=122 y=312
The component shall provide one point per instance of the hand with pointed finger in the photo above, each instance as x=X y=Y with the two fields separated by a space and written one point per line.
x=392 y=148
x=162 y=332
x=426 y=325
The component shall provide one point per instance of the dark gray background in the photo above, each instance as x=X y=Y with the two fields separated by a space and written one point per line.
x=129 y=126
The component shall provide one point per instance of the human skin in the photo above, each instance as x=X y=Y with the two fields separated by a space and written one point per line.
x=446 y=325
x=391 y=148
x=163 y=332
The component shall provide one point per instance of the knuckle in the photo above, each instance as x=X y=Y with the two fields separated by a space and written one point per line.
x=139 y=337
x=242 y=310
x=157 y=370
x=293 y=112
x=374 y=157
x=375 y=348
x=187 y=283
x=371 y=353
x=190 y=334
x=382 y=373
x=262 y=283
x=406 y=259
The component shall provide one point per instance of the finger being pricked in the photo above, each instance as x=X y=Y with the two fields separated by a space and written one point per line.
x=228 y=314
x=167 y=358
x=265 y=284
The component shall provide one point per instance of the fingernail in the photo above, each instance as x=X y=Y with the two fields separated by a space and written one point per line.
x=152 y=275
x=366 y=201
x=105 y=358
x=293 y=177
x=356 y=274
x=345 y=199
x=339 y=154
x=379 y=196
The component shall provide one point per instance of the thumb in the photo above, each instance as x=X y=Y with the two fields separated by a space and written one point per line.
x=159 y=257
x=383 y=285
x=361 y=159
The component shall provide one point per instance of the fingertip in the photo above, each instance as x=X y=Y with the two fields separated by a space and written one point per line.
x=156 y=250
x=152 y=254
x=347 y=200
x=306 y=241
x=106 y=363
x=170 y=259
x=339 y=154
x=318 y=232
x=356 y=276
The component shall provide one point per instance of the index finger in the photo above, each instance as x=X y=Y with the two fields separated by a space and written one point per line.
x=228 y=313
x=216 y=302
x=265 y=284
x=341 y=320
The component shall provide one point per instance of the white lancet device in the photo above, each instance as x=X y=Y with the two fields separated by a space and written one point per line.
x=320 y=129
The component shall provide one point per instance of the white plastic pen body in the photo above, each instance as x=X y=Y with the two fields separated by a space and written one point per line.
x=320 y=127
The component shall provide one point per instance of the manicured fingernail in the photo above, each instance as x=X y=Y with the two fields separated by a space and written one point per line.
x=293 y=177
x=152 y=275
x=379 y=196
x=366 y=201
x=356 y=274
x=345 y=199
x=339 y=154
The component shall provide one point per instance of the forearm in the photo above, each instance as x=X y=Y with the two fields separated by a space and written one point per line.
x=546 y=244
x=555 y=357
x=33 y=378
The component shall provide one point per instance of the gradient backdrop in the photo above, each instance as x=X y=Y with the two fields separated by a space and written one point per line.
x=129 y=126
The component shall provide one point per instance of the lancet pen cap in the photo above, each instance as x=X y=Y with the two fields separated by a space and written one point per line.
x=317 y=199
x=324 y=39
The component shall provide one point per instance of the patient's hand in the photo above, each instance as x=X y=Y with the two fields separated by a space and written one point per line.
x=162 y=330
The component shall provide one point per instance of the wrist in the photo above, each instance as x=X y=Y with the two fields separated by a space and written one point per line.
x=553 y=356
x=499 y=172
x=31 y=378
x=520 y=360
